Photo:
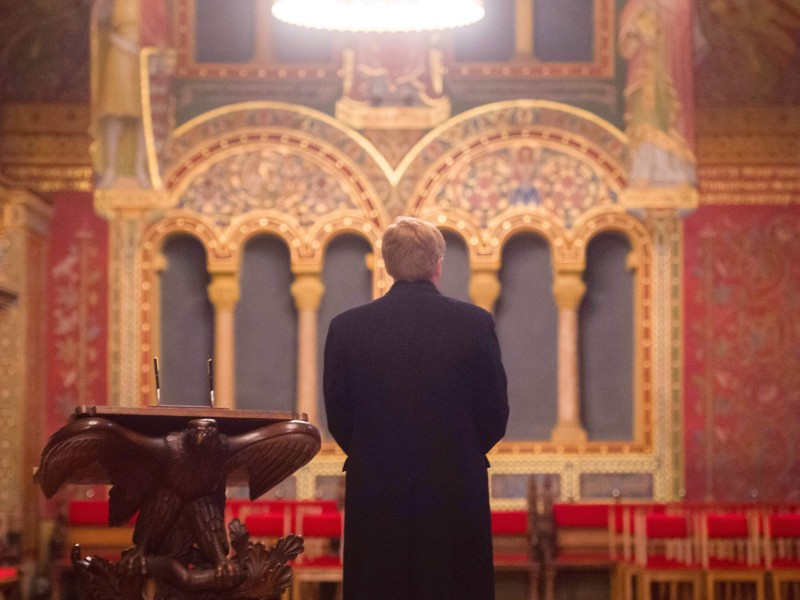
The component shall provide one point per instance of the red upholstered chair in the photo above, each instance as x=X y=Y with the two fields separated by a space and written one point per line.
x=583 y=541
x=321 y=560
x=9 y=582
x=512 y=547
x=666 y=563
x=268 y=519
x=782 y=554
x=731 y=556
x=267 y=527
x=85 y=523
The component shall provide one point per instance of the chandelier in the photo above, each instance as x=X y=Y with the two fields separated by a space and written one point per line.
x=378 y=15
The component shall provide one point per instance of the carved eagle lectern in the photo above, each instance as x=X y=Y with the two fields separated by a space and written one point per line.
x=176 y=483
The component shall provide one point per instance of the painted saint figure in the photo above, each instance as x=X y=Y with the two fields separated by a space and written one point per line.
x=116 y=88
x=655 y=38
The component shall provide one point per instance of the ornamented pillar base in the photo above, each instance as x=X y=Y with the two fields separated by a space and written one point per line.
x=568 y=433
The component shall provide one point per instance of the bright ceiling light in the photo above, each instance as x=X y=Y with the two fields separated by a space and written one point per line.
x=378 y=15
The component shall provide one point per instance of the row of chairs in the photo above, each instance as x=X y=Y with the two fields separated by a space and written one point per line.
x=658 y=551
x=320 y=522
x=690 y=552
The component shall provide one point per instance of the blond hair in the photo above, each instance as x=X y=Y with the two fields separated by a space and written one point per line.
x=411 y=249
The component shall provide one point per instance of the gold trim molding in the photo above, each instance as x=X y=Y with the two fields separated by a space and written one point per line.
x=45 y=147
x=128 y=199
x=680 y=198
x=362 y=116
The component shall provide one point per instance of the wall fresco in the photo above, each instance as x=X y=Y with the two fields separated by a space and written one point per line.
x=77 y=313
x=742 y=354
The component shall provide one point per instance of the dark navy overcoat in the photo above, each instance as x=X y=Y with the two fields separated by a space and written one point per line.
x=415 y=395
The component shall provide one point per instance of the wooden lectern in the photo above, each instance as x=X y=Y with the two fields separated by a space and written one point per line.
x=170 y=466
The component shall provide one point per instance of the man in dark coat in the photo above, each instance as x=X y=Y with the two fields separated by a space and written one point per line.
x=415 y=394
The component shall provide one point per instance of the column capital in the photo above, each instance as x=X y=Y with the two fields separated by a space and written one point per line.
x=223 y=290
x=24 y=210
x=568 y=289
x=129 y=203
x=307 y=290
x=484 y=287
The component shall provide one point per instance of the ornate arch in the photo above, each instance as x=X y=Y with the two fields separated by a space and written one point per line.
x=529 y=164
x=250 y=138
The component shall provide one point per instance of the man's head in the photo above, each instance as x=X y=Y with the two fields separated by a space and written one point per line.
x=413 y=249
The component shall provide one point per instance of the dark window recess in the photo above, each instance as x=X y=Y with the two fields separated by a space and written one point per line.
x=225 y=32
x=492 y=38
x=563 y=30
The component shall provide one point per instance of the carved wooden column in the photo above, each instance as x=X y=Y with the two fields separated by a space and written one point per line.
x=307 y=291
x=568 y=290
x=484 y=287
x=223 y=291
x=23 y=254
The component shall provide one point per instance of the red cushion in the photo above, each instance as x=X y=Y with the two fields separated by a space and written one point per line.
x=664 y=563
x=509 y=522
x=8 y=573
x=327 y=524
x=309 y=505
x=729 y=563
x=581 y=515
x=241 y=508
x=324 y=560
x=784 y=525
x=511 y=559
x=727 y=526
x=786 y=563
x=582 y=558
x=666 y=526
x=88 y=512
x=265 y=524
x=619 y=511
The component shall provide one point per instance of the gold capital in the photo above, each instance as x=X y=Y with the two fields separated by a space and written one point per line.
x=223 y=290
x=568 y=289
x=484 y=288
x=307 y=290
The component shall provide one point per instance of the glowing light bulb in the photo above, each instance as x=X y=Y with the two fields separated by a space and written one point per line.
x=379 y=15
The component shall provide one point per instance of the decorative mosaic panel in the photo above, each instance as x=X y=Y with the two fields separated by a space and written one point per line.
x=524 y=175
x=742 y=354
x=267 y=179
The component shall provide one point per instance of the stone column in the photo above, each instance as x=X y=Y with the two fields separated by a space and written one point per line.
x=223 y=291
x=568 y=290
x=24 y=233
x=307 y=291
x=128 y=212
x=484 y=287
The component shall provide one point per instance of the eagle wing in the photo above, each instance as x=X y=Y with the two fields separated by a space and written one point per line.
x=98 y=451
x=270 y=454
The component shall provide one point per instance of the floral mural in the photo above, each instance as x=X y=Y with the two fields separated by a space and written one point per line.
x=524 y=176
x=266 y=179
x=742 y=380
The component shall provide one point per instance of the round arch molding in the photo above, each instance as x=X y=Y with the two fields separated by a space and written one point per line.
x=518 y=164
x=256 y=162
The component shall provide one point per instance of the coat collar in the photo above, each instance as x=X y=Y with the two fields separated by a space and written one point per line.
x=419 y=284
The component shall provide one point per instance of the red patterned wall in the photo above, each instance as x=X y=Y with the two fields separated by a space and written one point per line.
x=77 y=310
x=742 y=353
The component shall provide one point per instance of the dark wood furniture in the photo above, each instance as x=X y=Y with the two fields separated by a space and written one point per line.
x=169 y=467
